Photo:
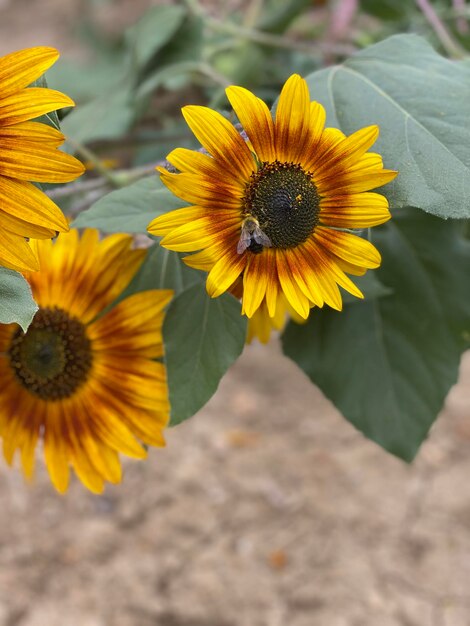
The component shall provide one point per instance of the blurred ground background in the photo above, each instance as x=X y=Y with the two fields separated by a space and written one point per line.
x=266 y=509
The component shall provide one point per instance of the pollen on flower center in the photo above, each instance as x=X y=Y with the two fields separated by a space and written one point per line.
x=53 y=358
x=285 y=202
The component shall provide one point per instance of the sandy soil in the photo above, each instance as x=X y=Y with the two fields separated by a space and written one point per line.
x=266 y=509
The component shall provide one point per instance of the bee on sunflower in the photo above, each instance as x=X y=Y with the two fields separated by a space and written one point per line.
x=275 y=210
x=84 y=378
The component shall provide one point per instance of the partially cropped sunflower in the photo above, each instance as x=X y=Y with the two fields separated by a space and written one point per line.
x=28 y=152
x=276 y=209
x=83 y=377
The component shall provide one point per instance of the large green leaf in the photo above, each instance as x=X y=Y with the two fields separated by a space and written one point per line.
x=153 y=30
x=203 y=337
x=420 y=100
x=370 y=286
x=16 y=301
x=131 y=208
x=388 y=363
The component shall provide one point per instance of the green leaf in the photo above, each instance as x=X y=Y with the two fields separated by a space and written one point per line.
x=164 y=74
x=420 y=100
x=370 y=286
x=131 y=208
x=51 y=118
x=387 y=9
x=83 y=81
x=16 y=301
x=107 y=117
x=202 y=337
x=277 y=18
x=154 y=29
x=176 y=60
x=163 y=269
x=186 y=45
x=388 y=363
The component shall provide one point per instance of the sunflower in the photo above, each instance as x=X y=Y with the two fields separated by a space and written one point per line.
x=28 y=152
x=277 y=207
x=83 y=377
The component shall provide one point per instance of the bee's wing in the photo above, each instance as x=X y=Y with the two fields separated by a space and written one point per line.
x=261 y=237
x=244 y=241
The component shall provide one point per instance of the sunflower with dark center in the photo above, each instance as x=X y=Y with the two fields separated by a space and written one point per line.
x=84 y=381
x=29 y=152
x=277 y=209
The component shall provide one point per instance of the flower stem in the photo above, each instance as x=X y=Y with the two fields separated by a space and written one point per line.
x=88 y=155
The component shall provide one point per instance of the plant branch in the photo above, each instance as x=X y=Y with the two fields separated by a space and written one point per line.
x=88 y=155
x=448 y=43
x=461 y=20
x=122 y=177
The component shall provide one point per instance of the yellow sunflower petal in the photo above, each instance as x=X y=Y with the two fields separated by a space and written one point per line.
x=31 y=103
x=194 y=162
x=292 y=292
x=320 y=278
x=206 y=259
x=255 y=280
x=30 y=132
x=355 y=181
x=20 y=69
x=304 y=273
x=272 y=288
x=292 y=119
x=225 y=272
x=329 y=138
x=316 y=128
x=220 y=139
x=24 y=229
x=16 y=253
x=256 y=119
x=72 y=277
x=55 y=447
x=37 y=162
x=350 y=268
x=25 y=201
x=144 y=425
x=201 y=190
x=346 y=153
x=360 y=210
x=129 y=320
x=164 y=224
x=349 y=247
x=201 y=233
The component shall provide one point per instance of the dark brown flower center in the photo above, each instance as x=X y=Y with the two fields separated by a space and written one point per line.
x=284 y=200
x=53 y=358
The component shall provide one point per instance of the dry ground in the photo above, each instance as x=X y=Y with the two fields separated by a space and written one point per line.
x=267 y=509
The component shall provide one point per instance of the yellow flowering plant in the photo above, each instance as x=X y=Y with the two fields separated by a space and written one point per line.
x=322 y=204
